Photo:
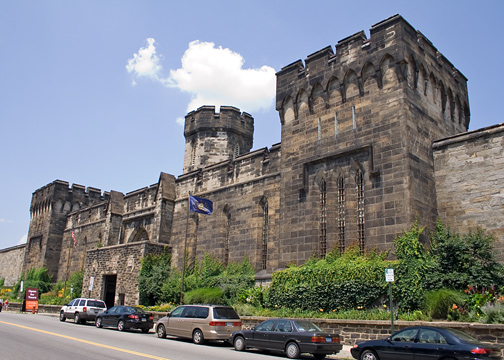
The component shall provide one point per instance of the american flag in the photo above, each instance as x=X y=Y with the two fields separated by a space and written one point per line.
x=73 y=237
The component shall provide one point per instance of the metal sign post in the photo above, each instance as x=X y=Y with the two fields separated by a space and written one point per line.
x=389 y=277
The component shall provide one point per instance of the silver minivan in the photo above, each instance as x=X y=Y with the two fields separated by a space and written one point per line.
x=199 y=322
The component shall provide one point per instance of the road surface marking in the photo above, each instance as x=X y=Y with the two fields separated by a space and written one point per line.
x=88 y=342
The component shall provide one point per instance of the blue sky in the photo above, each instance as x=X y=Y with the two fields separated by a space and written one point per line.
x=92 y=92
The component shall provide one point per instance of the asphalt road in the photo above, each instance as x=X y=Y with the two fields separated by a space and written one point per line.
x=43 y=337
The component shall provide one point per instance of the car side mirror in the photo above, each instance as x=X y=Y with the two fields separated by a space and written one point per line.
x=389 y=339
x=169 y=314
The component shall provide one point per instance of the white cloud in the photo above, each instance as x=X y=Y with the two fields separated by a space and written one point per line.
x=215 y=76
x=5 y=221
x=212 y=75
x=145 y=62
x=23 y=239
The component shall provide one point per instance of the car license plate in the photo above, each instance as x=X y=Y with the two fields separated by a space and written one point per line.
x=229 y=324
x=144 y=319
x=328 y=339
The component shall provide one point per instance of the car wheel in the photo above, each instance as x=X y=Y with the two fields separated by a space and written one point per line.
x=98 y=323
x=368 y=355
x=197 y=337
x=62 y=316
x=161 y=331
x=77 y=318
x=120 y=326
x=292 y=350
x=319 y=356
x=239 y=343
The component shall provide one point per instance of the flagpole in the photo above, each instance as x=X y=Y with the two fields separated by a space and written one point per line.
x=185 y=249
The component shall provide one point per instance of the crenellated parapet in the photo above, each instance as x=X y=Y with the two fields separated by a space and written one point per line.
x=228 y=118
x=395 y=53
x=60 y=198
x=212 y=137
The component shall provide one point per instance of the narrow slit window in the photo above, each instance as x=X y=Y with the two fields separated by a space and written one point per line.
x=319 y=129
x=335 y=123
x=354 y=121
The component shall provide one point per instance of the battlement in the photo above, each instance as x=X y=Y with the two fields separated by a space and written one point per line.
x=228 y=119
x=393 y=45
x=212 y=137
x=60 y=191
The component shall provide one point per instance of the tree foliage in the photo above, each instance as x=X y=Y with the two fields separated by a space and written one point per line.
x=153 y=273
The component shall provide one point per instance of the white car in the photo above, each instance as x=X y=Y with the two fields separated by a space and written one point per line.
x=82 y=310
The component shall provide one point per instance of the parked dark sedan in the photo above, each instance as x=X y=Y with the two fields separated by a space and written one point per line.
x=292 y=337
x=124 y=318
x=425 y=342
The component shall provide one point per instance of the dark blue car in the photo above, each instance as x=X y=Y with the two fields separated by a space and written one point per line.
x=426 y=343
x=124 y=318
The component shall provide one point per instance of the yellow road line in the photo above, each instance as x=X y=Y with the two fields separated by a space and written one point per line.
x=88 y=342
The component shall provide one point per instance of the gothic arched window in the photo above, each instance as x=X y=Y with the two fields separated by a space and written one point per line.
x=323 y=219
x=341 y=214
x=359 y=181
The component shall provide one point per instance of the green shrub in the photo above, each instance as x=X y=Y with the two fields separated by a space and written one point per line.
x=493 y=314
x=438 y=303
x=466 y=260
x=348 y=281
x=204 y=296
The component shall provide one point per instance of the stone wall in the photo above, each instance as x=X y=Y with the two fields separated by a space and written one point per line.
x=239 y=189
x=123 y=261
x=11 y=264
x=469 y=172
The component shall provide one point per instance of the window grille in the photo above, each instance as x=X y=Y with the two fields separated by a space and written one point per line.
x=226 y=240
x=265 y=236
x=359 y=177
x=341 y=214
x=323 y=219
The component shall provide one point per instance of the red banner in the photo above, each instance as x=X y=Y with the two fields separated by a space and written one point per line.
x=32 y=299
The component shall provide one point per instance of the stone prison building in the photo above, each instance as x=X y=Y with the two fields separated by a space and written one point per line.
x=374 y=135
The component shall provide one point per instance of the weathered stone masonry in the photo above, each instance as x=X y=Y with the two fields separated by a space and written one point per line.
x=374 y=136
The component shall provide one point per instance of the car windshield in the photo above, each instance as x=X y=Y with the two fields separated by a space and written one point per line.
x=304 y=325
x=225 y=313
x=96 y=303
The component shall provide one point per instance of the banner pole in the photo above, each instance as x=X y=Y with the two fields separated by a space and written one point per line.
x=185 y=249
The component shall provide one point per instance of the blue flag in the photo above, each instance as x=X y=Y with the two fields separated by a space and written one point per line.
x=199 y=205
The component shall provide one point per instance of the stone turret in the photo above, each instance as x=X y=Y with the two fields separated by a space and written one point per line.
x=357 y=129
x=214 y=137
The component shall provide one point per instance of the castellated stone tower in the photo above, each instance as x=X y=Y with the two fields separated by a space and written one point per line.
x=49 y=210
x=357 y=132
x=214 y=137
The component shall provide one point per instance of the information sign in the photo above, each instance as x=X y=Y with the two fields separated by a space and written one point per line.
x=389 y=275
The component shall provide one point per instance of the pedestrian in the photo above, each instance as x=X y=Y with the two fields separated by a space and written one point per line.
x=6 y=305
x=1 y=305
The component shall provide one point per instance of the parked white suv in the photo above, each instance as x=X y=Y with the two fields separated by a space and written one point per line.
x=82 y=310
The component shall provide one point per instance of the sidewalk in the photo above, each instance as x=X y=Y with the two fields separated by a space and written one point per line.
x=344 y=354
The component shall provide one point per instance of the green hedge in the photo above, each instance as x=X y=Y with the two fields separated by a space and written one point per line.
x=349 y=281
